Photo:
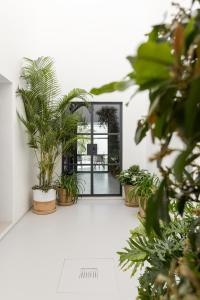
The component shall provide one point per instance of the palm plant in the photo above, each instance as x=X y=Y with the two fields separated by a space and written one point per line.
x=50 y=125
x=72 y=184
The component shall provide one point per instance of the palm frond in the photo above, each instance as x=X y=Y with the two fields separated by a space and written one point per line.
x=72 y=95
x=49 y=122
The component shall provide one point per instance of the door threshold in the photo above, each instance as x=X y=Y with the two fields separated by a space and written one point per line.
x=117 y=198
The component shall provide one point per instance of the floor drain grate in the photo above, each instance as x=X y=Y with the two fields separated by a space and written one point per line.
x=88 y=273
x=94 y=276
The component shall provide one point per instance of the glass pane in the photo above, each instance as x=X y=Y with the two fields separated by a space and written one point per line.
x=106 y=118
x=83 y=159
x=100 y=159
x=85 y=183
x=82 y=145
x=100 y=168
x=113 y=149
x=80 y=168
x=83 y=168
x=106 y=183
x=84 y=125
x=107 y=149
x=101 y=142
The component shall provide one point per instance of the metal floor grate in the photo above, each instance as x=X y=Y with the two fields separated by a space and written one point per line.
x=88 y=273
x=94 y=276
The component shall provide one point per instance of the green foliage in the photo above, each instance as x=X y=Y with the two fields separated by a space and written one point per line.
x=153 y=255
x=167 y=65
x=129 y=176
x=72 y=183
x=145 y=185
x=113 y=86
x=50 y=125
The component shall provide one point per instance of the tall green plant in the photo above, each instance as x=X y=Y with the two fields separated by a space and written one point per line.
x=49 y=122
x=164 y=261
x=167 y=65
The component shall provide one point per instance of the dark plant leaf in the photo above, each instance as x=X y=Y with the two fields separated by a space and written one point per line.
x=191 y=106
x=181 y=204
x=141 y=131
x=180 y=164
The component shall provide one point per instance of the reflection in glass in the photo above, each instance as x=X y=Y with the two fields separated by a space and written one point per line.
x=102 y=144
x=113 y=149
x=106 y=118
x=83 y=168
x=106 y=183
x=85 y=179
x=99 y=127
x=85 y=112
x=83 y=128
x=100 y=168
x=100 y=159
x=82 y=143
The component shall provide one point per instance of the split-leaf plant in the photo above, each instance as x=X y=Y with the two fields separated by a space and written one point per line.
x=167 y=66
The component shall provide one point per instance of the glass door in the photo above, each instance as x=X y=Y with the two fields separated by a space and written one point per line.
x=97 y=155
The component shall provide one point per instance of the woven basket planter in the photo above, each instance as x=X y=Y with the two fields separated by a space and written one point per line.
x=44 y=203
x=142 y=208
x=64 y=199
x=133 y=201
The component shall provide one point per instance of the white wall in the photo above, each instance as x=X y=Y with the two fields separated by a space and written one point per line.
x=89 y=41
x=6 y=148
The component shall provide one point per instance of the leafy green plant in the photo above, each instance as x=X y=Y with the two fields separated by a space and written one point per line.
x=129 y=176
x=155 y=257
x=72 y=183
x=167 y=65
x=145 y=186
x=49 y=122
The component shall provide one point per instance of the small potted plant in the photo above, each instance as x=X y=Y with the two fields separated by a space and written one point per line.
x=50 y=125
x=128 y=179
x=69 y=188
x=145 y=185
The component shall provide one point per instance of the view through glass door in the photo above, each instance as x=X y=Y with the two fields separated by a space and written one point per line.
x=97 y=155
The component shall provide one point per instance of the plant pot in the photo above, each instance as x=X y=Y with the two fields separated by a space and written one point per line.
x=130 y=201
x=44 y=202
x=64 y=198
x=142 y=207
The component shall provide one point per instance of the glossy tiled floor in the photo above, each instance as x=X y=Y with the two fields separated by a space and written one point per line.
x=33 y=253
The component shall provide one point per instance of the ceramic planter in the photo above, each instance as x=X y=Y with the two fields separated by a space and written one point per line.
x=130 y=201
x=64 y=199
x=44 y=202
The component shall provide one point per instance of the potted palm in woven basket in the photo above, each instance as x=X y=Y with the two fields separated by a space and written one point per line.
x=127 y=178
x=145 y=186
x=69 y=188
x=50 y=125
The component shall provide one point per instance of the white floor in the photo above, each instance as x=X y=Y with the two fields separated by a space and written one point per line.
x=34 y=253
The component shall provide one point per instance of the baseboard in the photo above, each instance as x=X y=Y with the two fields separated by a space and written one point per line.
x=11 y=225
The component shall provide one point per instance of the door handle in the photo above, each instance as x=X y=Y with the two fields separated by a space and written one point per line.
x=91 y=149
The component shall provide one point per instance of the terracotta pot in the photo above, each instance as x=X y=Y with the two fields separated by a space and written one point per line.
x=64 y=198
x=131 y=202
x=44 y=202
